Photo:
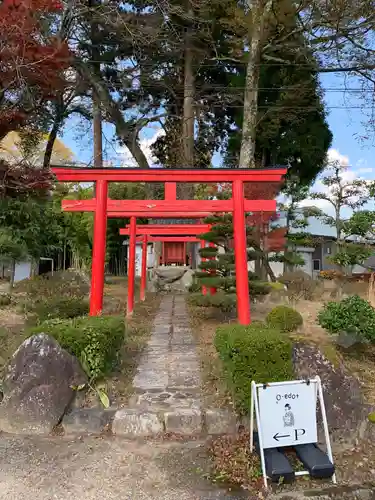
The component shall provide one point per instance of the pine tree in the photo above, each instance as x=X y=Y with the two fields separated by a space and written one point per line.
x=217 y=267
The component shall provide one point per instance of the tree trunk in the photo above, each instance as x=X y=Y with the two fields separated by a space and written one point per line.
x=113 y=113
x=259 y=14
x=185 y=191
x=98 y=135
x=50 y=143
x=12 y=274
x=269 y=271
x=188 y=113
x=97 y=114
x=286 y=266
x=64 y=256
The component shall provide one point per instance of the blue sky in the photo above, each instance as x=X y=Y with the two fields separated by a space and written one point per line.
x=350 y=136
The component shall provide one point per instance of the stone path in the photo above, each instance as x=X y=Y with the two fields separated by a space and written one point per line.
x=169 y=373
x=167 y=383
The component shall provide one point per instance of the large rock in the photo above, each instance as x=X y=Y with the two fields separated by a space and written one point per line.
x=346 y=409
x=172 y=278
x=38 y=385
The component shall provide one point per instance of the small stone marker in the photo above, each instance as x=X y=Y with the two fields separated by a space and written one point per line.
x=286 y=415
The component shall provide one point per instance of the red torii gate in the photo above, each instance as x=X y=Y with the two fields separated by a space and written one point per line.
x=209 y=176
x=151 y=230
x=153 y=239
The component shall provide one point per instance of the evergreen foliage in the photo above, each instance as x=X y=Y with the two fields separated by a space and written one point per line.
x=255 y=352
x=217 y=266
x=352 y=315
x=284 y=318
x=95 y=341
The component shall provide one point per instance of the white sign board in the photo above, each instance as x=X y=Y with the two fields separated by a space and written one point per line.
x=288 y=414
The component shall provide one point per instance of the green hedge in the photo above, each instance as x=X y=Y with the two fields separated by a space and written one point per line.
x=5 y=300
x=284 y=318
x=353 y=315
x=221 y=300
x=95 y=341
x=255 y=352
x=59 y=307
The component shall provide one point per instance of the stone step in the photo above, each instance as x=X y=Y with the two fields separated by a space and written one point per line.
x=136 y=422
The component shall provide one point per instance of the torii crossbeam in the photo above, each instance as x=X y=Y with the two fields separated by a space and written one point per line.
x=214 y=175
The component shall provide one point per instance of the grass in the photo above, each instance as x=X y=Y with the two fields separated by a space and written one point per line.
x=12 y=334
x=359 y=360
x=204 y=323
x=119 y=384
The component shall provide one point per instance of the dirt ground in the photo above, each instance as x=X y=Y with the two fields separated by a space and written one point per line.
x=119 y=384
x=359 y=360
x=103 y=469
x=115 y=469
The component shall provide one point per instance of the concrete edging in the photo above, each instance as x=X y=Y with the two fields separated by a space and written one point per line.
x=354 y=492
x=137 y=422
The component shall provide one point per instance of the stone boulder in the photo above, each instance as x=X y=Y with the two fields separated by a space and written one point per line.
x=347 y=412
x=38 y=386
x=172 y=278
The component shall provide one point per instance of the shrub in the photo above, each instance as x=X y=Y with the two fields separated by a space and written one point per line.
x=224 y=302
x=299 y=285
x=68 y=283
x=195 y=287
x=331 y=274
x=5 y=300
x=284 y=318
x=255 y=352
x=59 y=307
x=352 y=315
x=95 y=341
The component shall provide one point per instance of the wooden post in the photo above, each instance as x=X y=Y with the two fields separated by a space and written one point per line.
x=203 y=245
x=240 y=253
x=213 y=289
x=131 y=265
x=144 y=269
x=99 y=246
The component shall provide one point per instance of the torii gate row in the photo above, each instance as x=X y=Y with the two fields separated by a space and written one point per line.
x=207 y=176
x=155 y=230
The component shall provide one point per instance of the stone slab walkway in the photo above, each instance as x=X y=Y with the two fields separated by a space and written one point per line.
x=169 y=373
x=168 y=383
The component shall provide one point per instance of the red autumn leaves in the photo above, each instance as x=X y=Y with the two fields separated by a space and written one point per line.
x=32 y=62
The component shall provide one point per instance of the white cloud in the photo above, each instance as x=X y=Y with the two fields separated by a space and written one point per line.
x=335 y=157
x=127 y=160
x=364 y=170
x=348 y=174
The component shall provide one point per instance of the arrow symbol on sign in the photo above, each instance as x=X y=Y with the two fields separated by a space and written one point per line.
x=277 y=437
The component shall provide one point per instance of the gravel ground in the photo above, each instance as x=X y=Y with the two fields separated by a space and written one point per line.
x=103 y=468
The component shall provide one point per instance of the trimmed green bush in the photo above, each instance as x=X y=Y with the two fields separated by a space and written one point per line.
x=255 y=352
x=5 y=300
x=59 y=307
x=95 y=341
x=353 y=315
x=284 y=318
x=224 y=302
